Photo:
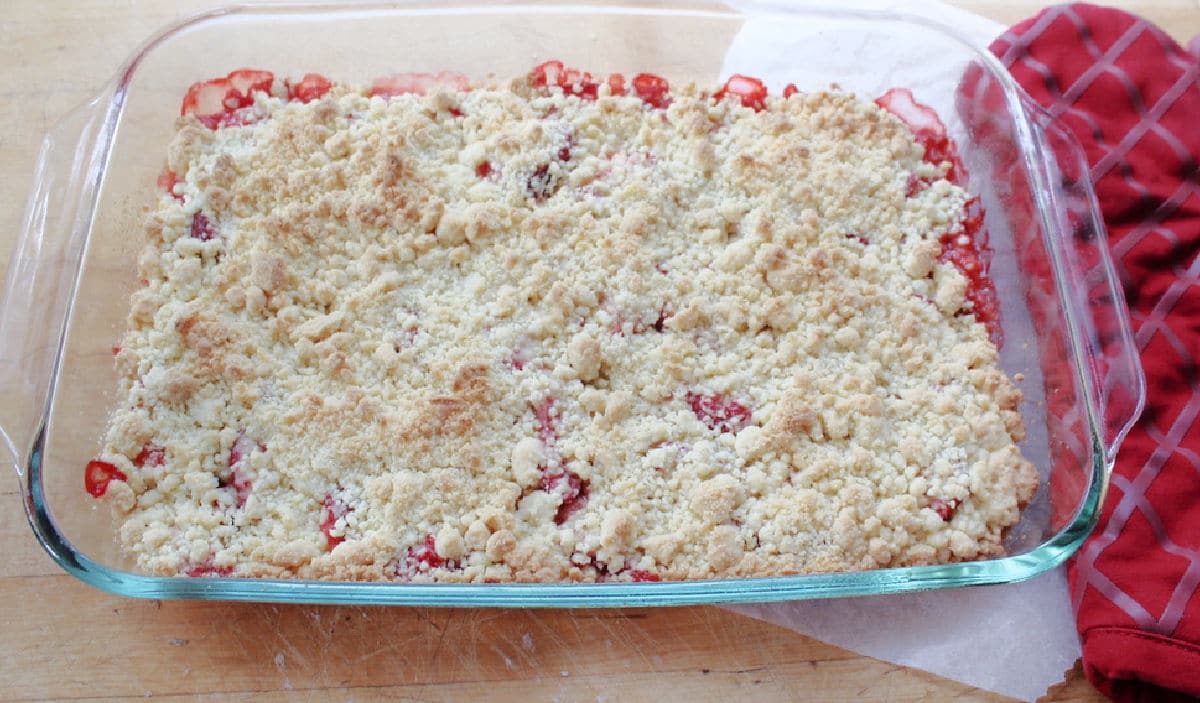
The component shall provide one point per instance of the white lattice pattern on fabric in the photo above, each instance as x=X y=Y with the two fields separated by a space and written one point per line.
x=1131 y=483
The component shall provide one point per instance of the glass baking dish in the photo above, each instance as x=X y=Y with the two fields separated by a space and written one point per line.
x=71 y=275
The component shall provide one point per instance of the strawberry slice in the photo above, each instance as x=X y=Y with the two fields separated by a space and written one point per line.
x=580 y=83
x=309 y=88
x=616 y=84
x=333 y=509
x=209 y=97
x=547 y=74
x=98 y=474
x=247 y=81
x=652 y=89
x=718 y=412
x=418 y=83
x=750 y=91
x=572 y=81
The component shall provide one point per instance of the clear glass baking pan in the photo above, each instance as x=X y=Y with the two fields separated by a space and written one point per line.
x=72 y=273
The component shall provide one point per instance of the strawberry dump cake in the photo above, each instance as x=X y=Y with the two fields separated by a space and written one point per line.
x=562 y=329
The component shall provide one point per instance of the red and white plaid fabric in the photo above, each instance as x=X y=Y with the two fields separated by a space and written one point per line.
x=1131 y=96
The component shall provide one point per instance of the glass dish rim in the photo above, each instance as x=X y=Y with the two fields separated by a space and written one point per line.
x=1007 y=569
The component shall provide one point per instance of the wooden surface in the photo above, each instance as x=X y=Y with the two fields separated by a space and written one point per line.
x=62 y=640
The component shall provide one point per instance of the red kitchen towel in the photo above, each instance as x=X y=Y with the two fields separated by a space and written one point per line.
x=1131 y=96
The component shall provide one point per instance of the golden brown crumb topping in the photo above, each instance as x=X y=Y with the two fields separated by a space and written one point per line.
x=497 y=335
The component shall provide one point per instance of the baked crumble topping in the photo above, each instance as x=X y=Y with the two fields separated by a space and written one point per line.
x=528 y=333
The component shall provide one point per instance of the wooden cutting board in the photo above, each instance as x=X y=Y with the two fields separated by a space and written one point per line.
x=62 y=640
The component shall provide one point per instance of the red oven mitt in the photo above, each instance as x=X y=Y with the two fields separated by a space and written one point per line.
x=1131 y=96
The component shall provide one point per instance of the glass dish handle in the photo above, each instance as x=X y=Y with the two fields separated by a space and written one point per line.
x=1092 y=287
x=44 y=269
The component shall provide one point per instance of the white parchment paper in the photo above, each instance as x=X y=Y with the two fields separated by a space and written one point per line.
x=1015 y=639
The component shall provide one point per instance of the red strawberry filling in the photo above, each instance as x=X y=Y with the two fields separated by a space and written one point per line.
x=422 y=557
x=966 y=248
x=616 y=84
x=968 y=251
x=426 y=554
x=483 y=169
x=789 y=90
x=751 y=91
x=544 y=415
x=570 y=80
x=98 y=474
x=225 y=102
x=564 y=154
x=167 y=180
x=151 y=455
x=914 y=185
x=207 y=569
x=927 y=128
x=247 y=81
x=518 y=359
x=202 y=227
x=540 y=185
x=718 y=412
x=332 y=510
x=311 y=87
x=572 y=489
x=638 y=575
x=945 y=508
x=652 y=89
x=242 y=447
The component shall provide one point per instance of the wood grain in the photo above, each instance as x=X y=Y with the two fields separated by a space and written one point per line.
x=61 y=640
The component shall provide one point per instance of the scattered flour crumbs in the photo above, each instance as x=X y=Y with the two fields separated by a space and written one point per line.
x=513 y=335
